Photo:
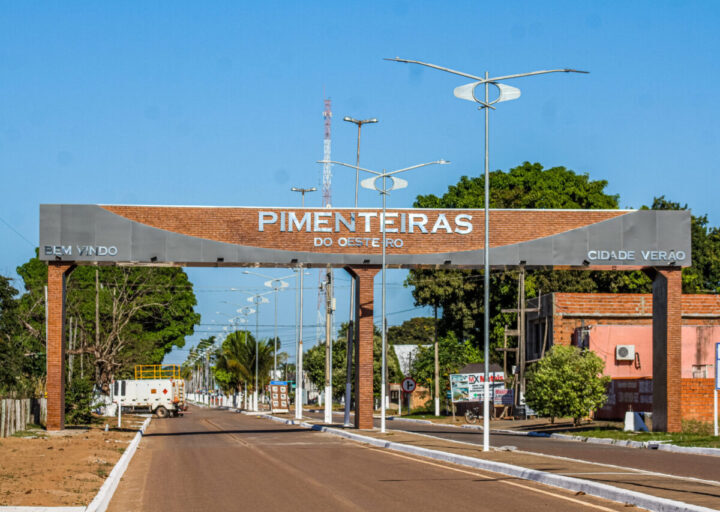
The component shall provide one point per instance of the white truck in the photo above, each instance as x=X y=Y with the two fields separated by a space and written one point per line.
x=163 y=397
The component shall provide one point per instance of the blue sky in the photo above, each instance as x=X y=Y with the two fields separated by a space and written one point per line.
x=221 y=104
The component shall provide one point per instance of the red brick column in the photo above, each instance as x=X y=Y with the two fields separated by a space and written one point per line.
x=667 y=370
x=365 y=276
x=57 y=272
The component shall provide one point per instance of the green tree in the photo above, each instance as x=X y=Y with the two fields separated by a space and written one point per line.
x=704 y=274
x=78 y=402
x=235 y=362
x=567 y=382
x=460 y=292
x=143 y=313
x=452 y=356
x=416 y=331
x=13 y=373
x=314 y=363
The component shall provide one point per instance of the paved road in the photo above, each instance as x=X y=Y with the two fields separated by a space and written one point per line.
x=219 y=460
x=679 y=464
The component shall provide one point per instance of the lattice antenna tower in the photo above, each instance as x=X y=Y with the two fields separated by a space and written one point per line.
x=326 y=203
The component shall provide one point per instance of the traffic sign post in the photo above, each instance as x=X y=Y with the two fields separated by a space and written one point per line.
x=409 y=385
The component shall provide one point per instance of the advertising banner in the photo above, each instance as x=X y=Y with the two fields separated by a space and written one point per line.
x=469 y=387
x=279 y=399
x=502 y=396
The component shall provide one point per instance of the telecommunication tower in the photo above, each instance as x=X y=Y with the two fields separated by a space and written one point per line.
x=323 y=299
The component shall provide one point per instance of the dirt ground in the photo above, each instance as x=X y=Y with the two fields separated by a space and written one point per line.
x=61 y=469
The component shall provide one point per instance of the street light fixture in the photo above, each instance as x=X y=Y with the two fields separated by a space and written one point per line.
x=277 y=284
x=257 y=300
x=303 y=191
x=359 y=123
x=352 y=319
x=505 y=93
x=384 y=190
x=299 y=349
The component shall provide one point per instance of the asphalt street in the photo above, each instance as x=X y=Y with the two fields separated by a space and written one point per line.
x=221 y=460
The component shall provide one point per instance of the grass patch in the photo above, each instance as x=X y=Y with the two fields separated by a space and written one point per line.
x=694 y=433
x=25 y=433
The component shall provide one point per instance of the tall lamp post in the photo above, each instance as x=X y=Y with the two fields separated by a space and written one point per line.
x=257 y=300
x=505 y=93
x=303 y=191
x=351 y=323
x=299 y=349
x=277 y=284
x=245 y=311
x=384 y=190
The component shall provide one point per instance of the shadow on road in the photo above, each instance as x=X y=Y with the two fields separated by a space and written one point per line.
x=234 y=431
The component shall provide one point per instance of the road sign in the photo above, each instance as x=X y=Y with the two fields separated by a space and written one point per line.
x=409 y=385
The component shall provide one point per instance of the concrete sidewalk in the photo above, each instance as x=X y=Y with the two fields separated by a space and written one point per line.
x=694 y=491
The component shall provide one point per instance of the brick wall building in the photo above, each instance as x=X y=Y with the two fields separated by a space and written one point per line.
x=602 y=322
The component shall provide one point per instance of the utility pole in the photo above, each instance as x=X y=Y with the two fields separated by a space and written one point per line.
x=437 y=368
x=97 y=307
x=328 y=346
x=520 y=332
x=351 y=319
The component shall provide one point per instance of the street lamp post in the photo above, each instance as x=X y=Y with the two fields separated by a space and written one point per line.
x=303 y=191
x=396 y=183
x=257 y=300
x=277 y=284
x=299 y=347
x=351 y=323
x=506 y=93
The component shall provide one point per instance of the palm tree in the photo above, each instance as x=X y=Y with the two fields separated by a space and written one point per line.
x=237 y=358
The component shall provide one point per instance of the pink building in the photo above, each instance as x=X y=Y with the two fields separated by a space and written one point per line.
x=618 y=327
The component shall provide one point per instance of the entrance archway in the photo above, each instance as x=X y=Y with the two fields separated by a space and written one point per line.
x=657 y=242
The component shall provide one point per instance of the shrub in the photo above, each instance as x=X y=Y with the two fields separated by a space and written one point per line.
x=78 y=402
x=567 y=382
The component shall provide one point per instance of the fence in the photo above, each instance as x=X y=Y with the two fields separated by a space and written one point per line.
x=16 y=414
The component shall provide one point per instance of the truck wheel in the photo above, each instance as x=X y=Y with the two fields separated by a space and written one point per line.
x=162 y=412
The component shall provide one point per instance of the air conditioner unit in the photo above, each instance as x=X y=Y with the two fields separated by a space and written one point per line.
x=625 y=352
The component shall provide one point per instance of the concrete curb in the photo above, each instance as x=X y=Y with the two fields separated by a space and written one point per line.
x=105 y=494
x=652 y=445
x=102 y=498
x=391 y=418
x=609 y=492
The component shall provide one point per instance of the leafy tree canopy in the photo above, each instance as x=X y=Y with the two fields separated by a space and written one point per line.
x=704 y=274
x=452 y=355
x=416 y=331
x=314 y=364
x=235 y=362
x=143 y=313
x=567 y=382
x=526 y=186
x=460 y=292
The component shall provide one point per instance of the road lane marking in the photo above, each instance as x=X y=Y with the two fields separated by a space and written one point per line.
x=516 y=484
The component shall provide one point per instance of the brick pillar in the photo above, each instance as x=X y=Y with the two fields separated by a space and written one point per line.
x=57 y=272
x=667 y=325
x=365 y=276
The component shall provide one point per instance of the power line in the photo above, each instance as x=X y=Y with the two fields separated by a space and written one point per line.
x=18 y=233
